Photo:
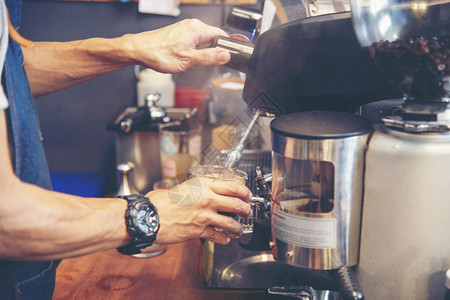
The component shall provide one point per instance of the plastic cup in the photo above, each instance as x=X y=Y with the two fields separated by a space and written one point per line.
x=221 y=173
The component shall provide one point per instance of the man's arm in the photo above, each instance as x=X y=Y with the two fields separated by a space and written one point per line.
x=52 y=66
x=37 y=224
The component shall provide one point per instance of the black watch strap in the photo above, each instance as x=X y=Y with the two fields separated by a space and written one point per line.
x=139 y=239
x=129 y=249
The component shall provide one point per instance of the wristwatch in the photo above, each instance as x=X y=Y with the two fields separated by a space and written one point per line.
x=142 y=223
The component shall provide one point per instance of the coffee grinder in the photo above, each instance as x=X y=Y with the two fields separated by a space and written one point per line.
x=405 y=245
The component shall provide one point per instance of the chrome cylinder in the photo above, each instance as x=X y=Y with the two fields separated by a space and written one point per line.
x=317 y=168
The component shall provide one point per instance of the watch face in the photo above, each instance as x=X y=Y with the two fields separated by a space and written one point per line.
x=147 y=220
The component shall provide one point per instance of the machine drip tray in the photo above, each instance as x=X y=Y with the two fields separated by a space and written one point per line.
x=247 y=272
x=232 y=267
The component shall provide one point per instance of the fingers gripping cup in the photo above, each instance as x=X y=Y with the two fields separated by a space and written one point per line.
x=222 y=174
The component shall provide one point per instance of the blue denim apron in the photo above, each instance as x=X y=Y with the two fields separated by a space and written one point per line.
x=24 y=280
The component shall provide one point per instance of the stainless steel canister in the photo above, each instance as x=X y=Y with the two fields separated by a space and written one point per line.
x=317 y=188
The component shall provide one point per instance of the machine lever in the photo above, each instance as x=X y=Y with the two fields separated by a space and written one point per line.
x=145 y=114
x=260 y=237
x=262 y=184
x=131 y=121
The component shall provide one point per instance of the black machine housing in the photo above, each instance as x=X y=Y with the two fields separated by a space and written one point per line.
x=313 y=64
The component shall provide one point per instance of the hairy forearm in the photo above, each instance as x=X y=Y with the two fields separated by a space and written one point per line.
x=53 y=66
x=37 y=224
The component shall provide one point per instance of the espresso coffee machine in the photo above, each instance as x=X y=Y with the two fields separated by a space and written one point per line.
x=137 y=139
x=360 y=147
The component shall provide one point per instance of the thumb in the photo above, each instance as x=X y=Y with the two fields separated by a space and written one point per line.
x=212 y=57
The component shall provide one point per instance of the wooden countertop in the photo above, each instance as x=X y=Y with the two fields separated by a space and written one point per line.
x=171 y=275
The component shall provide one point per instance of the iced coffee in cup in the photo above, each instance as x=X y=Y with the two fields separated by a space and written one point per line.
x=220 y=173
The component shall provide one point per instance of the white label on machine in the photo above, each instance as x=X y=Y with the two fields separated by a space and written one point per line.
x=304 y=232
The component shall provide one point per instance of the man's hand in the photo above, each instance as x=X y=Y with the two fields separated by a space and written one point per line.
x=191 y=210
x=174 y=49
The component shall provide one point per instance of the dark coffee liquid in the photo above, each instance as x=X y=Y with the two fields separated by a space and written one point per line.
x=418 y=66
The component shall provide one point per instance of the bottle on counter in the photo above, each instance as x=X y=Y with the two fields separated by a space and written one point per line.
x=152 y=82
